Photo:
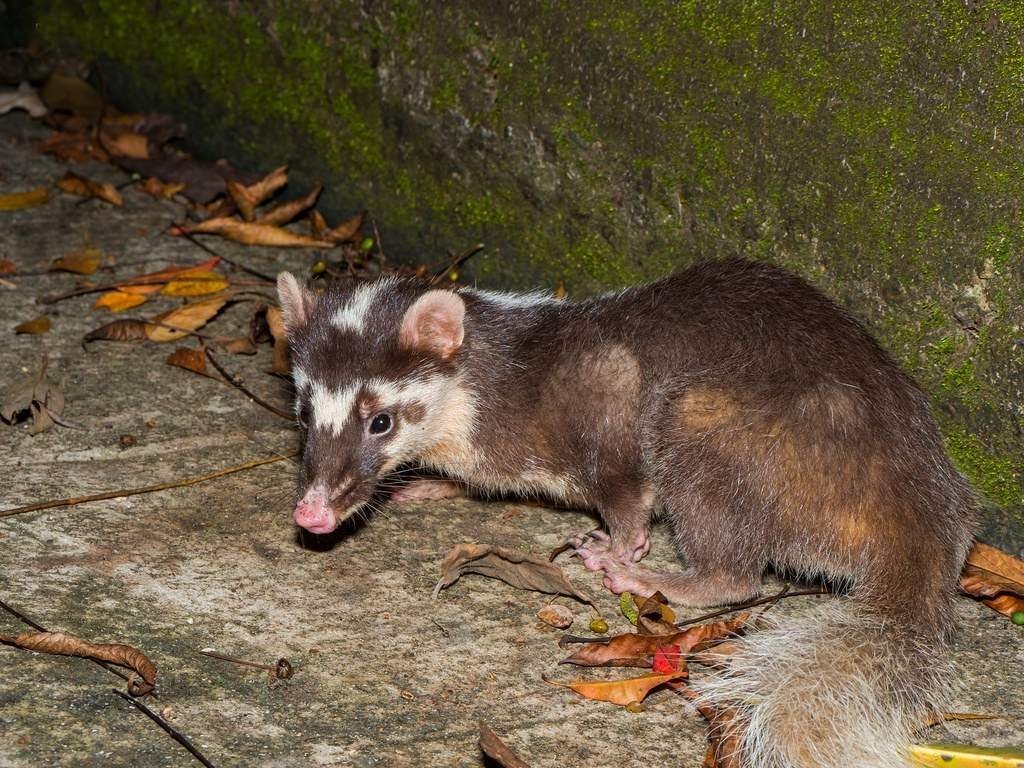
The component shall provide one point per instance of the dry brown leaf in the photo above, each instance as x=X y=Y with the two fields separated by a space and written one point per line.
x=241 y=346
x=126 y=144
x=348 y=230
x=19 y=201
x=154 y=281
x=275 y=321
x=516 y=568
x=195 y=282
x=317 y=225
x=558 y=616
x=162 y=191
x=73 y=94
x=84 y=261
x=35 y=396
x=74 y=184
x=251 y=233
x=119 y=301
x=190 y=359
x=621 y=692
x=61 y=644
x=559 y=292
x=248 y=198
x=496 y=749
x=996 y=577
x=654 y=616
x=285 y=212
x=173 y=325
x=633 y=650
x=36 y=325
x=127 y=329
x=7 y=267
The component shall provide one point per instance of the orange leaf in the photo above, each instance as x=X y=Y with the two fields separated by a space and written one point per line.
x=21 y=200
x=152 y=282
x=74 y=184
x=347 y=230
x=126 y=144
x=7 y=267
x=998 y=567
x=84 y=261
x=158 y=189
x=276 y=324
x=119 y=301
x=621 y=692
x=256 y=234
x=37 y=325
x=285 y=212
x=248 y=198
x=173 y=325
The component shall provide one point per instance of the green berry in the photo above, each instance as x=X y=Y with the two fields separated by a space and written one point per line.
x=1017 y=617
x=367 y=244
x=598 y=626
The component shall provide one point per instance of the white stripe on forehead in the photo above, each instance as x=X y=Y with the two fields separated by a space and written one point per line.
x=332 y=407
x=352 y=316
x=425 y=390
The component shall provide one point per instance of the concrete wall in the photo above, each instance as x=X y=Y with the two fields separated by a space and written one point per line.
x=875 y=147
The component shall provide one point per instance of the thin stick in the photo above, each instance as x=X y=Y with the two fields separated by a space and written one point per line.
x=145 y=489
x=233 y=381
x=456 y=262
x=175 y=734
x=40 y=628
x=191 y=238
x=752 y=603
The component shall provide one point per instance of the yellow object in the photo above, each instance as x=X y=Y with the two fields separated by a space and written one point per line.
x=965 y=756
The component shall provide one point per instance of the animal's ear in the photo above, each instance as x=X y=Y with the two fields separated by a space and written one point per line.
x=434 y=324
x=296 y=302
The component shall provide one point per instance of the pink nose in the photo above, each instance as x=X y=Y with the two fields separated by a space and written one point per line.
x=314 y=513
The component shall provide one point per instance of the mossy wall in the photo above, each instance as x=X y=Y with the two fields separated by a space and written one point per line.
x=875 y=147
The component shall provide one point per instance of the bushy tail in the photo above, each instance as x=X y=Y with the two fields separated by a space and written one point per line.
x=835 y=686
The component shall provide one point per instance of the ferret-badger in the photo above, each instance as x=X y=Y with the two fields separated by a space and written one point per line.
x=761 y=420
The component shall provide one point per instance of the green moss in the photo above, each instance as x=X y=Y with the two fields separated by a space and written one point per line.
x=998 y=478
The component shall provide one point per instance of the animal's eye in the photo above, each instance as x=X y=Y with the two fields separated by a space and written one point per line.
x=381 y=424
x=303 y=417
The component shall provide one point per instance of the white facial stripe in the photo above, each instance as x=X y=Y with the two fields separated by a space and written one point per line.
x=515 y=300
x=426 y=390
x=332 y=408
x=300 y=379
x=352 y=317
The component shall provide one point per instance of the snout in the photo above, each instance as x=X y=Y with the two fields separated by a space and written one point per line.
x=314 y=512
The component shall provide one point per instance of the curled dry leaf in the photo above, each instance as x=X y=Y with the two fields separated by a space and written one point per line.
x=285 y=212
x=241 y=346
x=35 y=396
x=248 y=198
x=996 y=577
x=275 y=322
x=195 y=282
x=558 y=616
x=348 y=230
x=620 y=692
x=190 y=359
x=36 y=325
x=152 y=282
x=161 y=191
x=317 y=225
x=61 y=644
x=7 y=267
x=128 y=329
x=74 y=184
x=495 y=748
x=173 y=325
x=20 y=200
x=84 y=261
x=635 y=650
x=251 y=233
x=654 y=616
x=515 y=568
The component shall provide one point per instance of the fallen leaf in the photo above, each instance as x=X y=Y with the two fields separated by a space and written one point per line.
x=965 y=756
x=516 y=568
x=152 y=282
x=251 y=233
x=19 y=201
x=126 y=143
x=317 y=225
x=160 y=190
x=285 y=212
x=61 y=644
x=636 y=650
x=247 y=198
x=35 y=396
x=119 y=301
x=195 y=282
x=37 y=325
x=241 y=346
x=127 y=329
x=558 y=616
x=173 y=325
x=24 y=98
x=996 y=577
x=190 y=359
x=203 y=181
x=7 y=267
x=621 y=692
x=275 y=321
x=74 y=184
x=67 y=92
x=559 y=292
x=654 y=616
x=84 y=261
x=348 y=230
x=495 y=749
x=667 y=659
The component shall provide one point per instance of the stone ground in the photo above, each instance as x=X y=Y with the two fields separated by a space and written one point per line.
x=385 y=676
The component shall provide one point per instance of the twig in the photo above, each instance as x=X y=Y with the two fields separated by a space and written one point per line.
x=456 y=262
x=233 y=381
x=145 y=489
x=192 y=239
x=282 y=670
x=174 y=733
x=40 y=628
x=752 y=603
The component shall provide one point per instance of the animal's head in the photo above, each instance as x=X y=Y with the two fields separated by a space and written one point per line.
x=375 y=371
